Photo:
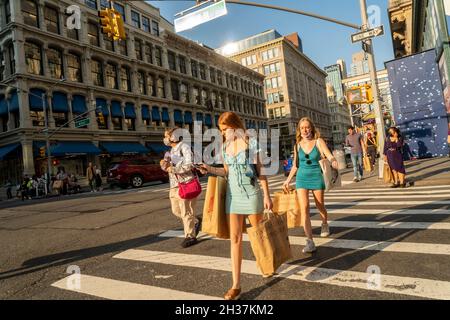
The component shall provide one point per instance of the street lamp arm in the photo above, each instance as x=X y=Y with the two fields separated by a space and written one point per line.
x=309 y=14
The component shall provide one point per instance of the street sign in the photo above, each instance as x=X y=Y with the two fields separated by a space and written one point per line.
x=82 y=123
x=190 y=20
x=371 y=33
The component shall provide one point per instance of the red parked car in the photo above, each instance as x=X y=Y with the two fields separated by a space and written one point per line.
x=135 y=172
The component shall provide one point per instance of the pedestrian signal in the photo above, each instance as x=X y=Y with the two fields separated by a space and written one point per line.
x=42 y=152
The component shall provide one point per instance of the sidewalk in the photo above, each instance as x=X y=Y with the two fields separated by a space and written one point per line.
x=426 y=172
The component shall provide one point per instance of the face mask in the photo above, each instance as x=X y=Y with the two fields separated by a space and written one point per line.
x=166 y=142
x=307 y=136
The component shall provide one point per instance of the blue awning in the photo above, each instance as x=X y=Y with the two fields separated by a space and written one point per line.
x=5 y=150
x=158 y=147
x=116 y=109
x=129 y=111
x=145 y=112
x=35 y=101
x=101 y=104
x=14 y=102
x=217 y=120
x=199 y=116
x=178 y=116
x=123 y=147
x=3 y=106
x=156 y=116
x=68 y=148
x=59 y=102
x=188 y=117
x=165 y=115
x=208 y=120
x=78 y=104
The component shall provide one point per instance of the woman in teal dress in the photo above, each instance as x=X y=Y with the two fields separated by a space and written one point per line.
x=245 y=196
x=307 y=154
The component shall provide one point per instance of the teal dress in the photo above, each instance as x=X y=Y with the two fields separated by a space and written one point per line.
x=309 y=174
x=242 y=197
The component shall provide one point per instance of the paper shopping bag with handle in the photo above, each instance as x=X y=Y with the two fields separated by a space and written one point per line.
x=367 y=164
x=270 y=242
x=287 y=202
x=388 y=176
x=215 y=221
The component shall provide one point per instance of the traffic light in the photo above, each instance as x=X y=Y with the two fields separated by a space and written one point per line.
x=42 y=152
x=101 y=118
x=106 y=22
x=119 y=26
x=369 y=93
x=56 y=162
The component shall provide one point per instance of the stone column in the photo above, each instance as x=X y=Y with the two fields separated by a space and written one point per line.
x=191 y=94
x=65 y=58
x=110 y=124
x=124 y=125
x=188 y=67
x=16 y=11
x=70 y=113
x=27 y=157
x=165 y=60
x=19 y=55
x=86 y=67
x=92 y=115
x=227 y=102
x=24 y=109
x=172 y=119
x=153 y=54
x=41 y=15
x=45 y=70
x=168 y=89
x=139 y=122
x=51 y=120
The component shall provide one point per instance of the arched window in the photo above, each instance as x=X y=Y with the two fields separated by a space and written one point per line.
x=55 y=63
x=74 y=67
x=33 y=57
x=111 y=76
x=30 y=13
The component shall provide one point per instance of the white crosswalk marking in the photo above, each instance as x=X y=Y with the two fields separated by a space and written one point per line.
x=426 y=209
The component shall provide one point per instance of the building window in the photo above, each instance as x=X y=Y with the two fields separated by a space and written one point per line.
x=184 y=94
x=37 y=118
x=175 y=89
x=130 y=124
x=150 y=86
x=123 y=47
x=91 y=4
x=51 y=20
x=111 y=76
x=30 y=13
x=213 y=99
x=55 y=63
x=158 y=56
x=196 y=94
x=204 y=96
x=12 y=60
x=105 y=4
x=117 y=123
x=194 y=69
x=60 y=118
x=148 y=53
x=138 y=49
x=74 y=67
x=93 y=34
x=109 y=43
x=125 y=79
x=121 y=10
x=161 y=91
x=72 y=33
x=172 y=60
x=33 y=56
x=141 y=82
x=212 y=74
x=155 y=28
x=135 y=19
x=202 y=71
x=7 y=12
x=146 y=24
x=182 y=63
x=97 y=73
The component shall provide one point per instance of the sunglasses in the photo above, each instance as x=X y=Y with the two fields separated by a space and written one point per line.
x=308 y=162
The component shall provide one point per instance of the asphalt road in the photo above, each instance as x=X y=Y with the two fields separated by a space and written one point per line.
x=126 y=245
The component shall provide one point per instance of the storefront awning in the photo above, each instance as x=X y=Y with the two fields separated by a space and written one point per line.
x=121 y=148
x=129 y=111
x=158 y=147
x=165 y=115
x=70 y=148
x=116 y=109
x=101 y=104
x=145 y=112
x=79 y=104
x=59 y=102
x=35 y=101
x=156 y=116
x=188 y=117
x=200 y=117
x=5 y=150
x=177 y=116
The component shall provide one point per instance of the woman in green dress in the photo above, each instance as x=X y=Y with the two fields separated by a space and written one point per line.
x=307 y=154
x=245 y=197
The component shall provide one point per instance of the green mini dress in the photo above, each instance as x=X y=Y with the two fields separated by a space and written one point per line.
x=309 y=174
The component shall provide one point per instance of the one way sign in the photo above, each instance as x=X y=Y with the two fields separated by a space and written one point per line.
x=371 y=33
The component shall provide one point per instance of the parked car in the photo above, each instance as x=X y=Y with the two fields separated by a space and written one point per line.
x=135 y=172
x=287 y=165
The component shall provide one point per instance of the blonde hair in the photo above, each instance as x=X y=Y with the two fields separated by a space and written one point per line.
x=315 y=132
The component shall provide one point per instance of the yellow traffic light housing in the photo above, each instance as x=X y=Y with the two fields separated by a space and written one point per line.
x=106 y=22
x=42 y=152
x=119 y=26
x=112 y=24
x=369 y=93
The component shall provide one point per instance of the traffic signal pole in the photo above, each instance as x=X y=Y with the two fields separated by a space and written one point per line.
x=373 y=78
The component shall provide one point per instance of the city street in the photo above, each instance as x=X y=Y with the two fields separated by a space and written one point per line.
x=126 y=244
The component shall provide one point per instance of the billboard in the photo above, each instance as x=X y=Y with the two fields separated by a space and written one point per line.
x=418 y=104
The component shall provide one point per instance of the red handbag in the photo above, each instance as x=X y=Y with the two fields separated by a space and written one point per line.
x=190 y=189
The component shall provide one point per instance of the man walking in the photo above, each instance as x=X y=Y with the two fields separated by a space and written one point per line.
x=90 y=175
x=355 y=141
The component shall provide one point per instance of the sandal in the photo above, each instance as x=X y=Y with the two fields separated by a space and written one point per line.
x=232 y=294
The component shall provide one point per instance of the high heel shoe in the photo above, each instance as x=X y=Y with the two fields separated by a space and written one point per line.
x=232 y=294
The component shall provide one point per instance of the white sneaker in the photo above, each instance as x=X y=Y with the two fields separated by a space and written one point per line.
x=309 y=247
x=325 y=232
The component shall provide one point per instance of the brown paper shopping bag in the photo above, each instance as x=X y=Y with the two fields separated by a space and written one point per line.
x=387 y=174
x=367 y=164
x=215 y=221
x=270 y=242
x=288 y=203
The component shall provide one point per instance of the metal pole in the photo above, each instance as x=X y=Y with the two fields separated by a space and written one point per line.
x=47 y=139
x=373 y=77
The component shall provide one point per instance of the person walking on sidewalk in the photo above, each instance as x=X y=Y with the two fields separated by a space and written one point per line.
x=180 y=168
x=98 y=179
x=307 y=154
x=394 y=157
x=90 y=175
x=8 y=186
x=245 y=197
x=355 y=141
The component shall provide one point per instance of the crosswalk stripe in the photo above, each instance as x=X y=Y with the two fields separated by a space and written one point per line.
x=385 y=188
x=383 y=203
x=384 y=246
x=123 y=290
x=428 y=196
x=434 y=289
x=373 y=193
x=385 y=211
x=385 y=224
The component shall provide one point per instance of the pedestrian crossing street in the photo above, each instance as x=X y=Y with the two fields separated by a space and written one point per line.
x=404 y=233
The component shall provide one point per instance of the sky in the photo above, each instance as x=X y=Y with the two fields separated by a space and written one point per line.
x=324 y=42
